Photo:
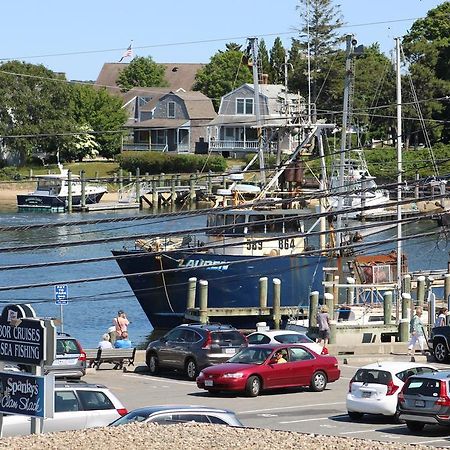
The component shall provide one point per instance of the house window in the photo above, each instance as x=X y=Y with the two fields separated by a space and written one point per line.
x=171 y=110
x=244 y=106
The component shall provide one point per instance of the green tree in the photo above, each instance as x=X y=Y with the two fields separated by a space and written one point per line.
x=427 y=50
x=80 y=145
x=263 y=56
x=321 y=19
x=142 y=72
x=277 y=60
x=100 y=112
x=224 y=72
x=34 y=104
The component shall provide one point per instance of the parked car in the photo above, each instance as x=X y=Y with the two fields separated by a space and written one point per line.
x=374 y=388
x=425 y=399
x=70 y=360
x=77 y=406
x=285 y=337
x=255 y=368
x=170 y=414
x=439 y=343
x=192 y=347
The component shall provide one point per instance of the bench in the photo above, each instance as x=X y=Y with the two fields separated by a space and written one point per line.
x=117 y=356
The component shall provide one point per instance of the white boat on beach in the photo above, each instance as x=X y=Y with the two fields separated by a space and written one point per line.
x=52 y=192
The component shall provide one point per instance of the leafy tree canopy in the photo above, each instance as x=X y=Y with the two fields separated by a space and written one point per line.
x=33 y=101
x=101 y=112
x=142 y=72
x=224 y=72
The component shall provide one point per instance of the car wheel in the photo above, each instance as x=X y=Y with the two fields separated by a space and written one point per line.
x=153 y=364
x=318 y=381
x=355 y=415
x=440 y=352
x=414 y=426
x=253 y=386
x=191 y=369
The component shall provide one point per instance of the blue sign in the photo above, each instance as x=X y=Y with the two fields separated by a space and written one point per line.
x=61 y=294
x=28 y=395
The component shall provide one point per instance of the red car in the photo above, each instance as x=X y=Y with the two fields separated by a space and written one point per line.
x=256 y=368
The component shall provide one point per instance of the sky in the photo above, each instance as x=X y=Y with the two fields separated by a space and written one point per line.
x=78 y=37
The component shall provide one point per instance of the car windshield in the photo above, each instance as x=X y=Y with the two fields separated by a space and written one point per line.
x=227 y=338
x=67 y=346
x=374 y=376
x=293 y=339
x=251 y=355
x=133 y=416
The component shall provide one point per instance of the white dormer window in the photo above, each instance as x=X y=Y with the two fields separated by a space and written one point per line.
x=171 y=110
x=244 y=106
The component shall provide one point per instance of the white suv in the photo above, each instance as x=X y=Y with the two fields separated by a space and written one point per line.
x=374 y=388
x=77 y=406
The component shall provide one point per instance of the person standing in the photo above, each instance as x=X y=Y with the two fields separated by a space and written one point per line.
x=121 y=323
x=323 y=321
x=417 y=333
x=441 y=319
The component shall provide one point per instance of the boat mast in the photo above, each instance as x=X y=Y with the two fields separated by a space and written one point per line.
x=345 y=112
x=399 y=169
x=254 y=44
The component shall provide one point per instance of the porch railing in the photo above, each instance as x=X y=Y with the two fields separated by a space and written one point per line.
x=233 y=145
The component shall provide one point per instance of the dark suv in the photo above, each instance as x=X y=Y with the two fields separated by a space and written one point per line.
x=193 y=347
x=425 y=399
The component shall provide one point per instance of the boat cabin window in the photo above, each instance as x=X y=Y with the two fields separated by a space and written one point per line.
x=51 y=186
x=257 y=227
x=218 y=220
x=292 y=225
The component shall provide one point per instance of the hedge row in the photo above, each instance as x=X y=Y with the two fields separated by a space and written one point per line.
x=156 y=162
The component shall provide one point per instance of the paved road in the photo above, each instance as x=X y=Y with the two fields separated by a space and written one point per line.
x=294 y=410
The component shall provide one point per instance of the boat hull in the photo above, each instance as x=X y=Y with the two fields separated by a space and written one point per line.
x=232 y=283
x=53 y=202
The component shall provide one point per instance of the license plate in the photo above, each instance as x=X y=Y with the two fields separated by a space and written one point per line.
x=230 y=351
x=64 y=362
x=366 y=394
x=209 y=383
x=420 y=403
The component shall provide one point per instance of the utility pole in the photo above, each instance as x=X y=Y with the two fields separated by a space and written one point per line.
x=399 y=172
x=345 y=112
x=254 y=45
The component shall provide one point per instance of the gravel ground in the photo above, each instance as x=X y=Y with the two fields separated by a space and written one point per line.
x=192 y=436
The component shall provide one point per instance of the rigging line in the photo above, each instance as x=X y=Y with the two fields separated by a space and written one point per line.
x=204 y=41
x=192 y=250
x=200 y=230
x=217 y=228
x=181 y=268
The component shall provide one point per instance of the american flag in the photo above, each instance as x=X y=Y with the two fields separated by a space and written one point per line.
x=127 y=54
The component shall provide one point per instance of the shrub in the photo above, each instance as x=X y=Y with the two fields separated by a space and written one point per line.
x=9 y=173
x=156 y=162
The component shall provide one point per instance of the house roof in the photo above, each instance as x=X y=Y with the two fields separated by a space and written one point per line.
x=198 y=105
x=157 y=123
x=178 y=75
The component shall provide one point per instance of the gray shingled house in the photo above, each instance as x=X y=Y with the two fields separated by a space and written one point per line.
x=234 y=130
x=161 y=120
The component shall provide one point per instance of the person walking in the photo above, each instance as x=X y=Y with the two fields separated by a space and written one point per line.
x=417 y=333
x=323 y=321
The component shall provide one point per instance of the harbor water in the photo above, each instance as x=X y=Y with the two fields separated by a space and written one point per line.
x=93 y=305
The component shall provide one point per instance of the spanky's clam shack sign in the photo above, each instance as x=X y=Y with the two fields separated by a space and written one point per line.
x=26 y=394
x=22 y=336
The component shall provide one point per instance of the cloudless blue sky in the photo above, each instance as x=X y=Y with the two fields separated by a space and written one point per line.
x=78 y=37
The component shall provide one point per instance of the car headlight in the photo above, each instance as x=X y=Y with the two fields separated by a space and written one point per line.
x=233 y=375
